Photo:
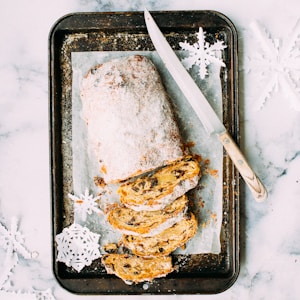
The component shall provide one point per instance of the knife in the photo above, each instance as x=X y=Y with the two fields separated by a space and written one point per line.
x=201 y=106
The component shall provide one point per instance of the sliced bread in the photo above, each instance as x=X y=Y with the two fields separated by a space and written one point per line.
x=165 y=242
x=147 y=223
x=156 y=190
x=135 y=269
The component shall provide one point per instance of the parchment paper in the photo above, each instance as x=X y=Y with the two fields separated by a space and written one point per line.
x=206 y=197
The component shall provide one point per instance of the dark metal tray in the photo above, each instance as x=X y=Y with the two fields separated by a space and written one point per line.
x=202 y=273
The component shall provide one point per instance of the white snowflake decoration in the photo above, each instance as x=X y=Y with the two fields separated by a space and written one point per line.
x=77 y=246
x=35 y=295
x=85 y=204
x=277 y=64
x=17 y=296
x=202 y=54
x=43 y=295
x=9 y=264
x=12 y=242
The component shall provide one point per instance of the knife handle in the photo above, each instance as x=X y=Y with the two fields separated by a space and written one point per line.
x=257 y=188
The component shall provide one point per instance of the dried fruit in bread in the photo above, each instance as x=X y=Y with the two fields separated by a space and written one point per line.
x=135 y=269
x=165 y=242
x=147 y=223
x=156 y=190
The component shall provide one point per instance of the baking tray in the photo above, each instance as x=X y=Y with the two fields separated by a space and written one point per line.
x=106 y=31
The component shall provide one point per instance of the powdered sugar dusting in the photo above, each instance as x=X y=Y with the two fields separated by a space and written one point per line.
x=136 y=131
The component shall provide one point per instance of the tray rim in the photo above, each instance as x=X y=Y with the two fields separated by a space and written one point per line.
x=225 y=282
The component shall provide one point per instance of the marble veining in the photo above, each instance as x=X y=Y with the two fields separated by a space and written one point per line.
x=270 y=132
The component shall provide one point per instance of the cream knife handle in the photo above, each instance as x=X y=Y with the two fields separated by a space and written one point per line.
x=257 y=188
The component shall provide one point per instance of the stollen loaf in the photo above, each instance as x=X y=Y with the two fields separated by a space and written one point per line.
x=129 y=118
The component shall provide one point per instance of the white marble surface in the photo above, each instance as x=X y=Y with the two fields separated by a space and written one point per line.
x=270 y=231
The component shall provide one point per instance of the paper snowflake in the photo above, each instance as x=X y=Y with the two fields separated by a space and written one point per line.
x=85 y=204
x=43 y=295
x=35 y=295
x=77 y=246
x=12 y=241
x=17 y=296
x=277 y=63
x=202 y=53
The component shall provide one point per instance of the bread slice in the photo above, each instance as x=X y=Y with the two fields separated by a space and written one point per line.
x=131 y=127
x=147 y=223
x=165 y=242
x=135 y=269
x=156 y=190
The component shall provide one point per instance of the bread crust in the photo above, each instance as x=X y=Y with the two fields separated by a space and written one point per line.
x=135 y=269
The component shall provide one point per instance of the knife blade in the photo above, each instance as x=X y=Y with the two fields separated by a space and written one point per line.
x=203 y=109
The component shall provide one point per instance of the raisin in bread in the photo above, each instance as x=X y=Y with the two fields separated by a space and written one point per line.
x=156 y=190
x=131 y=128
x=165 y=242
x=147 y=223
x=135 y=269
